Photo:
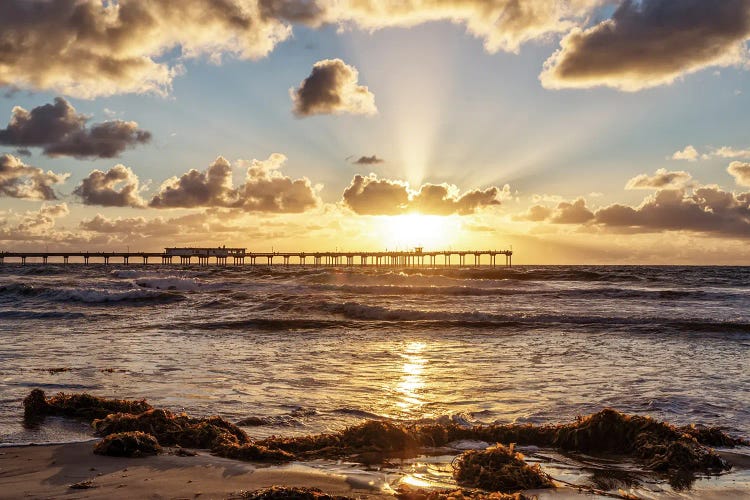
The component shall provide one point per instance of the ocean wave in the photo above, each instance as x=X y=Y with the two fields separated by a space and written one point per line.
x=40 y=315
x=468 y=290
x=88 y=295
x=169 y=283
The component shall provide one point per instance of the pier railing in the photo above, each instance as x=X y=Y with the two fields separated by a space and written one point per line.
x=442 y=258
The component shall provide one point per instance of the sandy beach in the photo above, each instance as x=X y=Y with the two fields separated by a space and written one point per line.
x=48 y=471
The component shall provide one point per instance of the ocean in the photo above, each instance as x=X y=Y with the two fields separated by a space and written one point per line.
x=315 y=349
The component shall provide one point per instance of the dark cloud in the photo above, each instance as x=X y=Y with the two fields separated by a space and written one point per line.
x=741 y=172
x=372 y=196
x=368 y=160
x=332 y=88
x=651 y=42
x=706 y=210
x=117 y=187
x=265 y=189
x=61 y=131
x=19 y=180
x=89 y=48
x=662 y=179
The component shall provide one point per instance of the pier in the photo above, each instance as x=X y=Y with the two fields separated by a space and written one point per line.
x=223 y=256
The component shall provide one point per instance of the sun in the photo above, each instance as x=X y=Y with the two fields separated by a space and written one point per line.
x=405 y=232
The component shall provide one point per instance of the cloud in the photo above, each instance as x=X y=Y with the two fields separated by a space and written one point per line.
x=61 y=131
x=649 y=43
x=19 y=180
x=662 y=179
x=368 y=160
x=741 y=172
x=572 y=213
x=502 y=24
x=332 y=88
x=688 y=154
x=535 y=213
x=265 y=188
x=90 y=48
x=101 y=188
x=707 y=209
x=372 y=196
x=729 y=152
x=34 y=225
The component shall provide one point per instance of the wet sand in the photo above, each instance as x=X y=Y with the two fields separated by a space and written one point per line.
x=48 y=471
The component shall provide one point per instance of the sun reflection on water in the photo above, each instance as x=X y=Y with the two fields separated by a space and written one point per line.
x=412 y=382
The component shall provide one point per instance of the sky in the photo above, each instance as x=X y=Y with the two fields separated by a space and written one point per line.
x=572 y=131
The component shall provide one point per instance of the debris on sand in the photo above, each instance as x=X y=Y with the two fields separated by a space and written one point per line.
x=182 y=452
x=84 y=406
x=128 y=444
x=498 y=468
x=461 y=494
x=282 y=493
x=83 y=485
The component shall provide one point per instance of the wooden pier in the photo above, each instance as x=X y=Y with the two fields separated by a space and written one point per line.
x=239 y=257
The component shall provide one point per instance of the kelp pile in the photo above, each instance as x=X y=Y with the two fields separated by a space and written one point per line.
x=372 y=438
x=221 y=437
x=461 y=494
x=284 y=493
x=498 y=468
x=82 y=406
x=128 y=444
x=677 y=451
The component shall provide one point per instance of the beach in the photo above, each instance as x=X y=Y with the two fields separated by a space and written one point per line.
x=48 y=471
x=299 y=351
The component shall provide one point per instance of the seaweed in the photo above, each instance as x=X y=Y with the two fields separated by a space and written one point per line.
x=678 y=452
x=82 y=406
x=498 y=468
x=374 y=437
x=252 y=452
x=283 y=493
x=174 y=430
x=459 y=494
x=712 y=436
x=128 y=444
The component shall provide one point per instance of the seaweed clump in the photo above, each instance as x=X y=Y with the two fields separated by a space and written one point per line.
x=221 y=437
x=498 y=468
x=83 y=406
x=663 y=447
x=374 y=437
x=283 y=493
x=173 y=430
x=128 y=444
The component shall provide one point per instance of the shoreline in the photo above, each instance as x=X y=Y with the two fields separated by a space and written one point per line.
x=48 y=471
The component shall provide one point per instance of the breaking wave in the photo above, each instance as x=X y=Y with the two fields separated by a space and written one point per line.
x=88 y=295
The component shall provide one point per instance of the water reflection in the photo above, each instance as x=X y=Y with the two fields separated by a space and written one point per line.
x=411 y=383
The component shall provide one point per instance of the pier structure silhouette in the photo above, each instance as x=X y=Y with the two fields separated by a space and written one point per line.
x=240 y=256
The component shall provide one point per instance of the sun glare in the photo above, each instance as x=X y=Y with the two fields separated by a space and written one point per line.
x=432 y=232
